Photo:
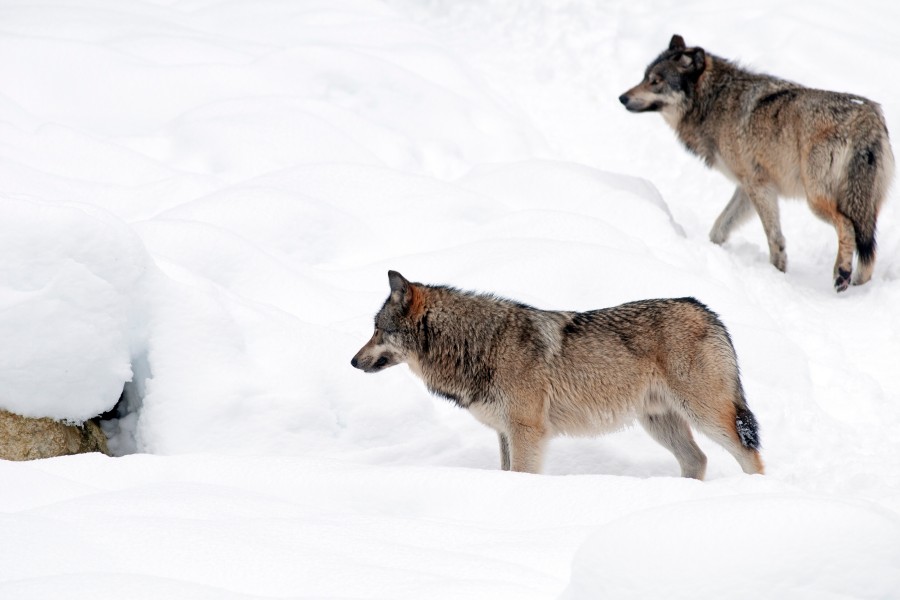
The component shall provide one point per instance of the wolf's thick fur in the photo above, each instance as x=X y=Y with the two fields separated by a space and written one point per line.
x=531 y=374
x=776 y=138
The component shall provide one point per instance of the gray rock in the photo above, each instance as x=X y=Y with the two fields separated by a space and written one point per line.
x=27 y=438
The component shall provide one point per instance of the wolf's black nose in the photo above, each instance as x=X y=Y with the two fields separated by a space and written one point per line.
x=623 y=98
x=353 y=362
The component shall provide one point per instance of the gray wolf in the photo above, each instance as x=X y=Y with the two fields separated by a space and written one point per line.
x=776 y=138
x=531 y=374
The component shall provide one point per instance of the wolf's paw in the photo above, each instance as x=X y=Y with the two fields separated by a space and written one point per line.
x=779 y=260
x=861 y=277
x=842 y=280
x=717 y=236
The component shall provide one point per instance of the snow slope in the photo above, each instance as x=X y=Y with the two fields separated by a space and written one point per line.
x=201 y=200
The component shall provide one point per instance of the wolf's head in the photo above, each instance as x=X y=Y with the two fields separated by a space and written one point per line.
x=667 y=82
x=395 y=328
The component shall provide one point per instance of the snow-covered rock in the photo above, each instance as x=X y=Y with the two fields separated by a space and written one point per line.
x=28 y=438
x=71 y=308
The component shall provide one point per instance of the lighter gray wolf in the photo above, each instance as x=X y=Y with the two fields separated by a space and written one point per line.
x=776 y=138
x=531 y=374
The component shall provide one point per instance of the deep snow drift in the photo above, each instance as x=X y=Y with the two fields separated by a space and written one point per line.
x=201 y=201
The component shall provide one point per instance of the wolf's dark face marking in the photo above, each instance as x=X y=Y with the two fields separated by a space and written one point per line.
x=378 y=353
x=668 y=80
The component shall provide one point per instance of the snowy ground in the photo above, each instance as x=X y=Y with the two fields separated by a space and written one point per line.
x=201 y=200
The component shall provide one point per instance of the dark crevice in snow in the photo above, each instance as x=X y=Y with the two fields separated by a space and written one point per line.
x=120 y=423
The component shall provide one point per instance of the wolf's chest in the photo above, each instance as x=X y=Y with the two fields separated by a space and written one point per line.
x=492 y=414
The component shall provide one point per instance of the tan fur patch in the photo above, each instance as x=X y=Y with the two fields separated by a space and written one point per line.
x=416 y=302
x=760 y=465
x=727 y=415
x=824 y=208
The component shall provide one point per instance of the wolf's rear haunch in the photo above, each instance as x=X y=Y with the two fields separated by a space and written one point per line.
x=531 y=374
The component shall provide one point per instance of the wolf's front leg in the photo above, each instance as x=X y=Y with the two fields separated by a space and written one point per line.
x=526 y=447
x=738 y=210
x=504 y=451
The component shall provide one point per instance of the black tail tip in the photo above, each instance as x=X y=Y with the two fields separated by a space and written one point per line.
x=747 y=428
x=865 y=249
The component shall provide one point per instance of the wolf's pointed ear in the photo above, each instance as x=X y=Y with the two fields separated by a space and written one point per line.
x=692 y=61
x=677 y=43
x=399 y=287
x=398 y=282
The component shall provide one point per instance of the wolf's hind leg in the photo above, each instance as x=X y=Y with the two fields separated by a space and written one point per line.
x=843 y=264
x=738 y=210
x=731 y=427
x=749 y=458
x=673 y=432
x=826 y=209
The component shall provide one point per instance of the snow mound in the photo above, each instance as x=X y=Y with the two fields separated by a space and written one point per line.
x=778 y=546
x=71 y=280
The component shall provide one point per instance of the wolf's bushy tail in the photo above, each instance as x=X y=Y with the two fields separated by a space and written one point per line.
x=744 y=420
x=747 y=427
x=869 y=172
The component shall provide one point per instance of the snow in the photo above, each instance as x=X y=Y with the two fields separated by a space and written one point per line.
x=201 y=200
x=70 y=302
x=814 y=548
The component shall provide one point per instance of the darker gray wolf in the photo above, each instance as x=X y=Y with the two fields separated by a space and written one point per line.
x=776 y=138
x=531 y=374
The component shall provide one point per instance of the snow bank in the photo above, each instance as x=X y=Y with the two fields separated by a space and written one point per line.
x=276 y=527
x=71 y=309
x=779 y=546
